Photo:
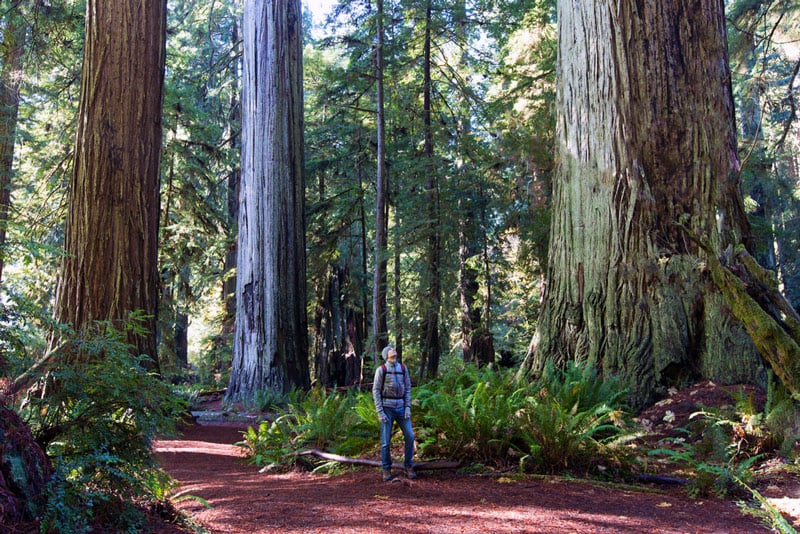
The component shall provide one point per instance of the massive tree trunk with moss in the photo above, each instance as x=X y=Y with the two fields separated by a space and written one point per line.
x=270 y=345
x=647 y=159
x=110 y=264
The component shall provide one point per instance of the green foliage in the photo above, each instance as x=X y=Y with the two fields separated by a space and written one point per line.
x=712 y=461
x=574 y=419
x=96 y=414
x=724 y=446
x=338 y=422
x=477 y=415
x=470 y=415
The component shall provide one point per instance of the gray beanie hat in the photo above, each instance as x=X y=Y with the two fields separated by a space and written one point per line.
x=385 y=352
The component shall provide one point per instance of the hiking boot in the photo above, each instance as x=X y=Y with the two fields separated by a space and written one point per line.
x=387 y=475
x=410 y=473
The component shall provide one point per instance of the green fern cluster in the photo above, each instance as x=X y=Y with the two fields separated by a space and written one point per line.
x=563 y=420
x=343 y=423
x=470 y=415
x=574 y=420
x=566 y=419
x=96 y=415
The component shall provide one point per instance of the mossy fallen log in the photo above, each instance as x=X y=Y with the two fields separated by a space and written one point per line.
x=767 y=317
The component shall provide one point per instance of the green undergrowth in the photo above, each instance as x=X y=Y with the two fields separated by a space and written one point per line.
x=96 y=414
x=566 y=420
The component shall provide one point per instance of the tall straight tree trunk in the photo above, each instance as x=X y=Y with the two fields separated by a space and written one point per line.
x=270 y=345
x=432 y=290
x=233 y=181
x=110 y=263
x=380 y=327
x=477 y=343
x=13 y=44
x=647 y=162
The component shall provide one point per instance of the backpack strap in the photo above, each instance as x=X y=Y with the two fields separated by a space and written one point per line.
x=403 y=370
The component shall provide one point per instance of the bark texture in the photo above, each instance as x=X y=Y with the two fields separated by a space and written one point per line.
x=110 y=263
x=646 y=147
x=270 y=346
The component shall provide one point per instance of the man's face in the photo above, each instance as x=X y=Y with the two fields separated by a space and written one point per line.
x=391 y=356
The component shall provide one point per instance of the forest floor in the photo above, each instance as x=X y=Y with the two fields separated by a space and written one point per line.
x=224 y=494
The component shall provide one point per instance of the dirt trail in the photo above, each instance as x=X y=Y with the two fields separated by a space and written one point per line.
x=245 y=501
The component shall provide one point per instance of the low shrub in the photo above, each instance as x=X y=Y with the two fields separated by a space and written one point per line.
x=96 y=415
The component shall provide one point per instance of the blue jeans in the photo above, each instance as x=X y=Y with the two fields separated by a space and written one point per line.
x=392 y=415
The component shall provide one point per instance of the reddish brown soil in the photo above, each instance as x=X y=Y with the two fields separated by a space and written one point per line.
x=242 y=500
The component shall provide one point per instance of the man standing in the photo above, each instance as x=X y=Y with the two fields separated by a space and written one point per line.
x=391 y=391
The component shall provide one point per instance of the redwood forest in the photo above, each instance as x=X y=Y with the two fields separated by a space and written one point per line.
x=577 y=223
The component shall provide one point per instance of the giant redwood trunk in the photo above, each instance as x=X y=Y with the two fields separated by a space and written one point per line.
x=647 y=160
x=110 y=263
x=270 y=345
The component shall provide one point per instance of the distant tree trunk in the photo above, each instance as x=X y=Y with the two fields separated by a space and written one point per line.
x=647 y=156
x=477 y=343
x=234 y=179
x=431 y=300
x=380 y=327
x=13 y=44
x=111 y=237
x=397 y=312
x=270 y=345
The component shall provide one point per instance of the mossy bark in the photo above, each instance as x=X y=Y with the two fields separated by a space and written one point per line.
x=646 y=146
x=776 y=334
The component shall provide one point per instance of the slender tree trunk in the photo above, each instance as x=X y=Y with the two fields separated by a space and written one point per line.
x=270 y=345
x=13 y=44
x=110 y=263
x=398 y=316
x=234 y=179
x=432 y=290
x=647 y=156
x=477 y=343
x=380 y=326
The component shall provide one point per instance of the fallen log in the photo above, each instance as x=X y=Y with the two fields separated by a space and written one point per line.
x=660 y=479
x=771 y=333
x=421 y=466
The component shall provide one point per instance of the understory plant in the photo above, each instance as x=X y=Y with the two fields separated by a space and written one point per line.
x=470 y=415
x=574 y=419
x=723 y=445
x=96 y=414
x=334 y=421
x=474 y=415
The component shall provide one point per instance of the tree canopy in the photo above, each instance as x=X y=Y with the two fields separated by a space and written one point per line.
x=470 y=133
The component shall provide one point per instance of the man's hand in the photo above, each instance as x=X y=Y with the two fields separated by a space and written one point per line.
x=407 y=415
x=382 y=418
